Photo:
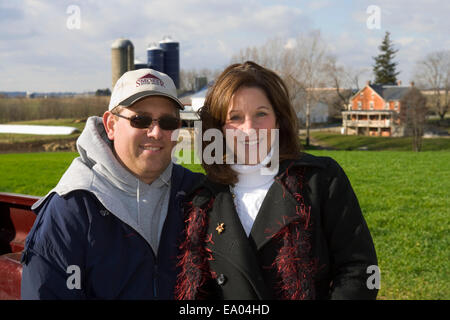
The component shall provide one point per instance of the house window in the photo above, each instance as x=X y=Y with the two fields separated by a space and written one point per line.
x=386 y=106
x=371 y=105
x=396 y=105
x=361 y=94
x=359 y=105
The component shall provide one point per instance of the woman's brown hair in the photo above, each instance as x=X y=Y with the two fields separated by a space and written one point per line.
x=214 y=112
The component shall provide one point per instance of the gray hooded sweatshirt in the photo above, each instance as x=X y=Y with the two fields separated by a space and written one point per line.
x=140 y=205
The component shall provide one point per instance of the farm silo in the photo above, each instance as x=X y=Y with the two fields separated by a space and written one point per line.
x=171 y=59
x=122 y=58
x=155 y=57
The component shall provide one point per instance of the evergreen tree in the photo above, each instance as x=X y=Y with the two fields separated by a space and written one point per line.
x=385 y=68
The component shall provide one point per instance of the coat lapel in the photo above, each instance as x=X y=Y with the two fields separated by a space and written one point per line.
x=232 y=243
x=277 y=210
x=279 y=206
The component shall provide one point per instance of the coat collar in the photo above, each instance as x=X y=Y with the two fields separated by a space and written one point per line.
x=279 y=206
x=305 y=160
x=277 y=209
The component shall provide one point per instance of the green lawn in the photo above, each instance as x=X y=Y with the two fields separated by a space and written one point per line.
x=405 y=200
x=347 y=142
x=33 y=173
x=404 y=197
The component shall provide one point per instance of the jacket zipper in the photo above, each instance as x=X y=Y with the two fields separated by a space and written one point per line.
x=155 y=281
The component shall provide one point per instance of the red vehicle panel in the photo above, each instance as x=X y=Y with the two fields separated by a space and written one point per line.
x=16 y=220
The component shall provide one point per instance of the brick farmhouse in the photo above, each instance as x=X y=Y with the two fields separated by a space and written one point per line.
x=374 y=111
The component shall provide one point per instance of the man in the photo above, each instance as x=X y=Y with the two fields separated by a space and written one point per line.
x=109 y=229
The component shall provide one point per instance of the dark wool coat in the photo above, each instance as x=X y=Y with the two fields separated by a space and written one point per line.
x=309 y=240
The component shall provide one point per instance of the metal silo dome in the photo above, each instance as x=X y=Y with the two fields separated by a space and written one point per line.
x=155 y=57
x=171 y=59
x=121 y=43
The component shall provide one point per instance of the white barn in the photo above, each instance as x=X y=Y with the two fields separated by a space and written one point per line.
x=198 y=99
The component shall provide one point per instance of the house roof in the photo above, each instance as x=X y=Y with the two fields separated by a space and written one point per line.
x=390 y=93
x=201 y=93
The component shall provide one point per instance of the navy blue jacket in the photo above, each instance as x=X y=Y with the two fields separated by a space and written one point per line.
x=79 y=250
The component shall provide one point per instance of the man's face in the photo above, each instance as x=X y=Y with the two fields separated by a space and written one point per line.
x=144 y=152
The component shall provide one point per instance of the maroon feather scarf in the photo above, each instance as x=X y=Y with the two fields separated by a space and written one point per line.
x=294 y=263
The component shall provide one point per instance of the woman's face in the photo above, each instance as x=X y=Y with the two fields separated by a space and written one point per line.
x=248 y=125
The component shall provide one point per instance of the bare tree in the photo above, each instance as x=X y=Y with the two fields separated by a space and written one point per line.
x=187 y=80
x=433 y=72
x=188 y=77
x=311 y=71
x=413 y=116
x=344 y=80
x=300 y=62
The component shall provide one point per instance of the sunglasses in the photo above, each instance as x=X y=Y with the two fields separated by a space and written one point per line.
x=144 y=122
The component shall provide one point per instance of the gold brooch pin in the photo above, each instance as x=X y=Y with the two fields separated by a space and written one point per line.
x=220 y=227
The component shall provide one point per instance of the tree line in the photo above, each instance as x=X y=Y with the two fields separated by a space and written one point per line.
x=24 y=109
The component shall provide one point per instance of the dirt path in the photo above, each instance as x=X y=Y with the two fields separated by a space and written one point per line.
x=39 y=146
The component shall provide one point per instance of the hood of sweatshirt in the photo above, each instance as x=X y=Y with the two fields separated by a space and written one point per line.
x=140 y=205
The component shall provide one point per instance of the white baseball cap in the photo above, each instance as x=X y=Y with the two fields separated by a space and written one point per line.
x=137 y=84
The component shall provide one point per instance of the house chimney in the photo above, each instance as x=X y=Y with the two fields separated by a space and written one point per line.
x=412 y=83
x=368 y=83
x=399 y=82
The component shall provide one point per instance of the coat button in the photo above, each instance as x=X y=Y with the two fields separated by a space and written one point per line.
x=221 y=279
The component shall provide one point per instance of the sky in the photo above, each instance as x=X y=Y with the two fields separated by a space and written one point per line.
x=48 y=46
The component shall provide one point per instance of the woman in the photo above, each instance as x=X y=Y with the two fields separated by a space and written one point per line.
x=293 y=232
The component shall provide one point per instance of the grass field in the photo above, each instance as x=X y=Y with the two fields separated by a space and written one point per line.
x=404 y=197
x=337 y=141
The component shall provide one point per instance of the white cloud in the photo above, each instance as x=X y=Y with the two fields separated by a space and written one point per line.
x=404 y=41
x=290 y=43
x=235 y=23
x=319 y=4
x=36 y=41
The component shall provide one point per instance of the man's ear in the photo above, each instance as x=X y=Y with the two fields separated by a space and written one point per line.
x=109 y=122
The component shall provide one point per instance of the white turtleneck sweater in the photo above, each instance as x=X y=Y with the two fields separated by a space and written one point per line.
x=251 y=189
